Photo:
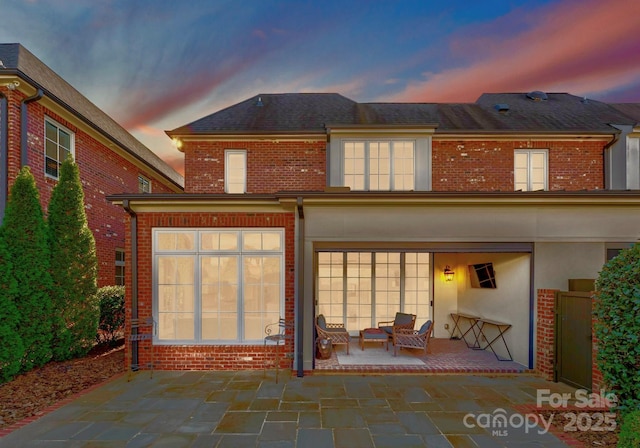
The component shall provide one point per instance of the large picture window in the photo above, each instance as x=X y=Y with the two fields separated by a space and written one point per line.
x=217 y=285
x=379 y=165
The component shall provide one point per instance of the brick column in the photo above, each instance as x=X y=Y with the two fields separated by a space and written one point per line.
x=545 y=332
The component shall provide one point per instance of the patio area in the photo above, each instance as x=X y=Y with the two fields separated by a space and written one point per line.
x=446 y=356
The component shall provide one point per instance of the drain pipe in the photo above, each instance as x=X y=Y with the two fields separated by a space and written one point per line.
x=4 y=155
x=24 y=154
x=133 y=338
x=300 y=291
x=606 y=173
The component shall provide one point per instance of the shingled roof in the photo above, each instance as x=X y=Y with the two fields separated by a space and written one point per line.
x=17 y=60
x=292 y=113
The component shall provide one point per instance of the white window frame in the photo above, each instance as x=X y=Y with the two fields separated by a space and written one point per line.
x=529 y=181
x=235 y=187
x=59 y=159
x=393 y=170
x=120 y=263
x=142 y=183
x=197 y=253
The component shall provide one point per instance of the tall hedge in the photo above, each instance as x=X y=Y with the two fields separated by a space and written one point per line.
x=617 y=328
x=24 y=232
x=74 y=268
x=11 y=348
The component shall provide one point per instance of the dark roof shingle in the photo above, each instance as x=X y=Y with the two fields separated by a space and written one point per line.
x=18 y=60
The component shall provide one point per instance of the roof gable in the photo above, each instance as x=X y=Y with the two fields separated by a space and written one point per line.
x=18 y=60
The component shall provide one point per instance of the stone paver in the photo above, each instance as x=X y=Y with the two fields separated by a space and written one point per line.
x=248 y=409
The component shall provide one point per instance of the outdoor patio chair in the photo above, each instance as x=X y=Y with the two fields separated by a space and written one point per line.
x=412 y=338
x=337 y=333
x=402 y=320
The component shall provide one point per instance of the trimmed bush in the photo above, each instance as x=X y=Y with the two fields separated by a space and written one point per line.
x=111 y=300
x=25 y=235
x=617 y=327
x=11 y=348
x=74 y=268
x=629 y=436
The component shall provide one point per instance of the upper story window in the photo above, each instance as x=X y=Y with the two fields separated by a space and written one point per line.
x=530 y=170
x=58 y=145
x=235 y=171
x=379 y=165
x=144 y=185
x=119 y=267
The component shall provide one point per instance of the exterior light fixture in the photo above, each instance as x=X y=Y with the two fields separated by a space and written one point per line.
x=448 y=274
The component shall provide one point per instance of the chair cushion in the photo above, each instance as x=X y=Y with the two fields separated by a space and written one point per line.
x=403 y=319
x=322 y=322
x=425 y=327
x=387 y=329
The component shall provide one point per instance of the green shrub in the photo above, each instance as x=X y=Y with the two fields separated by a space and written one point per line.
x=617 y=327
x=25 y=235
x=74 y=268
x=111 y=299
x=629 y=436
x=11 y=348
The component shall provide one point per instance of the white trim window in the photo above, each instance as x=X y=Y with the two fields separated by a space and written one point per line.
x=387 y=165
x=144 y=184
x=59 y=143
x=217 y=286
x=235 y=171
x=530 y=172
x=120 y=266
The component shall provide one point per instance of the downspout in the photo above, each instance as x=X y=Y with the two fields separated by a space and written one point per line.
x=134 y=284
x=24 y=154
x=4 y=155
x=300 y=291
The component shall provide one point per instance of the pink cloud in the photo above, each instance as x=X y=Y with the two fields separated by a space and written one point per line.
x=581 y=47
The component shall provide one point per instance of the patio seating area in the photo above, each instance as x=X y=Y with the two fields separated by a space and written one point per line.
x=446 y=356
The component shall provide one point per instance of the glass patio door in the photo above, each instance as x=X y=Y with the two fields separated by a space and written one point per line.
x=360 y=289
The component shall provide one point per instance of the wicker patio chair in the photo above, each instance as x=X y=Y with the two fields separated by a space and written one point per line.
x=337 y=333
x=413 y=338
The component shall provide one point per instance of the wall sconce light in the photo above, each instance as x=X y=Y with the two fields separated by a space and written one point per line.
x=448 y=274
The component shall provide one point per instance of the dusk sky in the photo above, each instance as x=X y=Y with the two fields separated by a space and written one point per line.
x=155 y=65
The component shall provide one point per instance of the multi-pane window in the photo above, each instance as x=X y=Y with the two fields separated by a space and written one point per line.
x=217 y=285
x=58 y=145
x=119 y=267
x=360 y=289
x=379 y=165
x=144 y=185
x=235 y=171
x=530 y=170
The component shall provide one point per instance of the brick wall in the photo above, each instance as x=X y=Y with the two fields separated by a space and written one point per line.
x=488 y=165
x=545 y=339
x=271 y=166
x=210 y=357
x=545 y=332
x=102 y=171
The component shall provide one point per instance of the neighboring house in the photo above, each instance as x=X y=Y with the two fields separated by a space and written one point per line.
x=301 y=204
x=42 y=120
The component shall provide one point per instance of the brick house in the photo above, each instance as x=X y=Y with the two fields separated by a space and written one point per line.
x=301 y=204
x=42 y=119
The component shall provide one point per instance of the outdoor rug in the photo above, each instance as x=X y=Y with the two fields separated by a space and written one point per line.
x=374 y=354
